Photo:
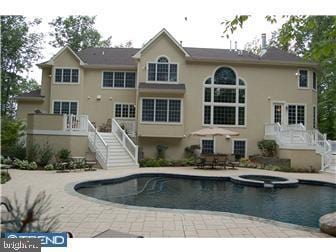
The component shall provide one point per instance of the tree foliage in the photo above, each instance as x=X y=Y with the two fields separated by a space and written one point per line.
x=314 y=38
x=20 y=49
x=77 y=32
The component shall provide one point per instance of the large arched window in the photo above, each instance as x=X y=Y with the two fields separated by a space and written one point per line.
x=224 y=99
x=162 y=70
x=225 y=76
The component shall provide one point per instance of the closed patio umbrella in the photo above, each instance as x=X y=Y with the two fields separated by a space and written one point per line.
x=214 y=132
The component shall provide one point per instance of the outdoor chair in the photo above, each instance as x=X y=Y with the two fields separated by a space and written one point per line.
x=206 y=161
x=221 y=161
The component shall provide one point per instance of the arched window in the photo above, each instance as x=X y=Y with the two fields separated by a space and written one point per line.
x=225 y=76
x=163 y=60
x=224 y=105
x=162 y=71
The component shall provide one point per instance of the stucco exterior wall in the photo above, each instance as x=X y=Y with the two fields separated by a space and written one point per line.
x=45 y=122
x=26 y=107
x=78 y=145
x=302 y=159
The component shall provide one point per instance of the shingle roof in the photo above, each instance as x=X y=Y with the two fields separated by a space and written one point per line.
x=274 y=53
x=31 y=94
x=108 y=56
x=220 y=54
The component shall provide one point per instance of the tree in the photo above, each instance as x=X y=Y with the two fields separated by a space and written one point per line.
x=314 y=38
x=20 y=49
x=127 y=44
x=77 y=32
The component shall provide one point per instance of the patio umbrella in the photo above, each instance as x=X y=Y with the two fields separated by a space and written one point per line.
x=214 y=132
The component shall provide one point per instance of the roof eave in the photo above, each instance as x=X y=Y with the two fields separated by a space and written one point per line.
x=37 y=98
x=103 y=66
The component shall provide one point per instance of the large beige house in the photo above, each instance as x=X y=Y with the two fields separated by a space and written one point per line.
x=162 y=92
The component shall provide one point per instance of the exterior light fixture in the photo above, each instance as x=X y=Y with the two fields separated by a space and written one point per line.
x=98 y=97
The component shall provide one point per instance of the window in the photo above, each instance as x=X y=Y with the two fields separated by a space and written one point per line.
x=124 y=110
x=161 y=110
x=314 y=117
x=314 y=81
x=65 y=107
x=162 y=71
x=225 y=99
x=118 y=80
x=207 y=146
x=303 y=78
x=224 y=115
x=239 y=149
x=66 y=75
x=225 y=76
x=296 y=114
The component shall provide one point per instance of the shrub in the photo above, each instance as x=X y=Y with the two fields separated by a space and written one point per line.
x=32 y=166
x=190 y=150
x=11 y=131
x=17 y=150
x=161 y=150
x=47 y=154
x=64 y=154
x=5 y=177
x=33 y=153
x=149 y=162
x=267 y=147
x=6 y=161
x=49 y=167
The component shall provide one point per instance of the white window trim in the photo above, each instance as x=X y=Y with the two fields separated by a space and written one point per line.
x=314 y=89
x=285 y=111
x=208 y=138
x=57 y=100
x=169 y=62
x=298 y=78
x=239 y=139
x=65 y=83
x=162 y=123
x=315 y=117
x=296 y=104
x=118 y=88
x=221 y=104
x=124 y=103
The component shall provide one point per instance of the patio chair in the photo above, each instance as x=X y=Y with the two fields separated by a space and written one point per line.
x=221 y=161
x=231 y=161
x=208 y=161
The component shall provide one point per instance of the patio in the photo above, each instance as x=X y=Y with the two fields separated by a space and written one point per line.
x=86 y=218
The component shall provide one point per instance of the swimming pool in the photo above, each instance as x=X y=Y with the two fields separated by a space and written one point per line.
x=302 y=205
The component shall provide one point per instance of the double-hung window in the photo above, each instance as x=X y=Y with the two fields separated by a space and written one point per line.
x=239 y=148
x=65 y=107
x=122 y=110
x=118 y=80
x=161 y=110
x=296 y=114
x=303 y=78
x=66 y=76
x=207 y=146
x=162 y=71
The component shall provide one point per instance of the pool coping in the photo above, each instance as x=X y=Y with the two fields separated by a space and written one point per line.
x=70 y=188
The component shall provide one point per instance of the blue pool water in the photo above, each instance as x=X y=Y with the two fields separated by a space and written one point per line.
x=303 y=205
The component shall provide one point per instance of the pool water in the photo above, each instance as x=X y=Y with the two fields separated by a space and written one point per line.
x=303 y=205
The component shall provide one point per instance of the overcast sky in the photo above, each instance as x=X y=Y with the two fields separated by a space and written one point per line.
x=140 y=20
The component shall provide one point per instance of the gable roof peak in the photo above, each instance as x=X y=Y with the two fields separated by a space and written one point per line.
x=151 y=41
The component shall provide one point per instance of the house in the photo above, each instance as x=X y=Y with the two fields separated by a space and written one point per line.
x=162 y=92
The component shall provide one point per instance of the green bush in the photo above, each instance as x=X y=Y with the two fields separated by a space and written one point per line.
x=161 y=151
x=49 y=167
x=17 y=150
x=5 y=177
x=33 y=153
x=190 y=150
x=6 y=161
x=64 y=154
x=11 y=131
x=24 y=164
x=267 y=147
x=47 y=154
x=151 y=162
x=32 y=166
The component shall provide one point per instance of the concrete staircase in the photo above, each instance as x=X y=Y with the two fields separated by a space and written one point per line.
x=117 y=155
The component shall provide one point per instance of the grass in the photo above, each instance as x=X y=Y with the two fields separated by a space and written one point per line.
x=5 y=177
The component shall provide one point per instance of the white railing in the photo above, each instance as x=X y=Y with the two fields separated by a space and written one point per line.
x=98 y=145
x=297 y=136
x=125 y=141
x=75 y=122
x=128 y=125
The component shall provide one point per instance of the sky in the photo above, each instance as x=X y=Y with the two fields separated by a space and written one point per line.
x=192 y=28
x=140 y=20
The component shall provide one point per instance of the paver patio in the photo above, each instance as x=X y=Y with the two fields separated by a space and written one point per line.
x=85 y=218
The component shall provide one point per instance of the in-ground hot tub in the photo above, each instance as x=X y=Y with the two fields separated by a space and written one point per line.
x=265 y=181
